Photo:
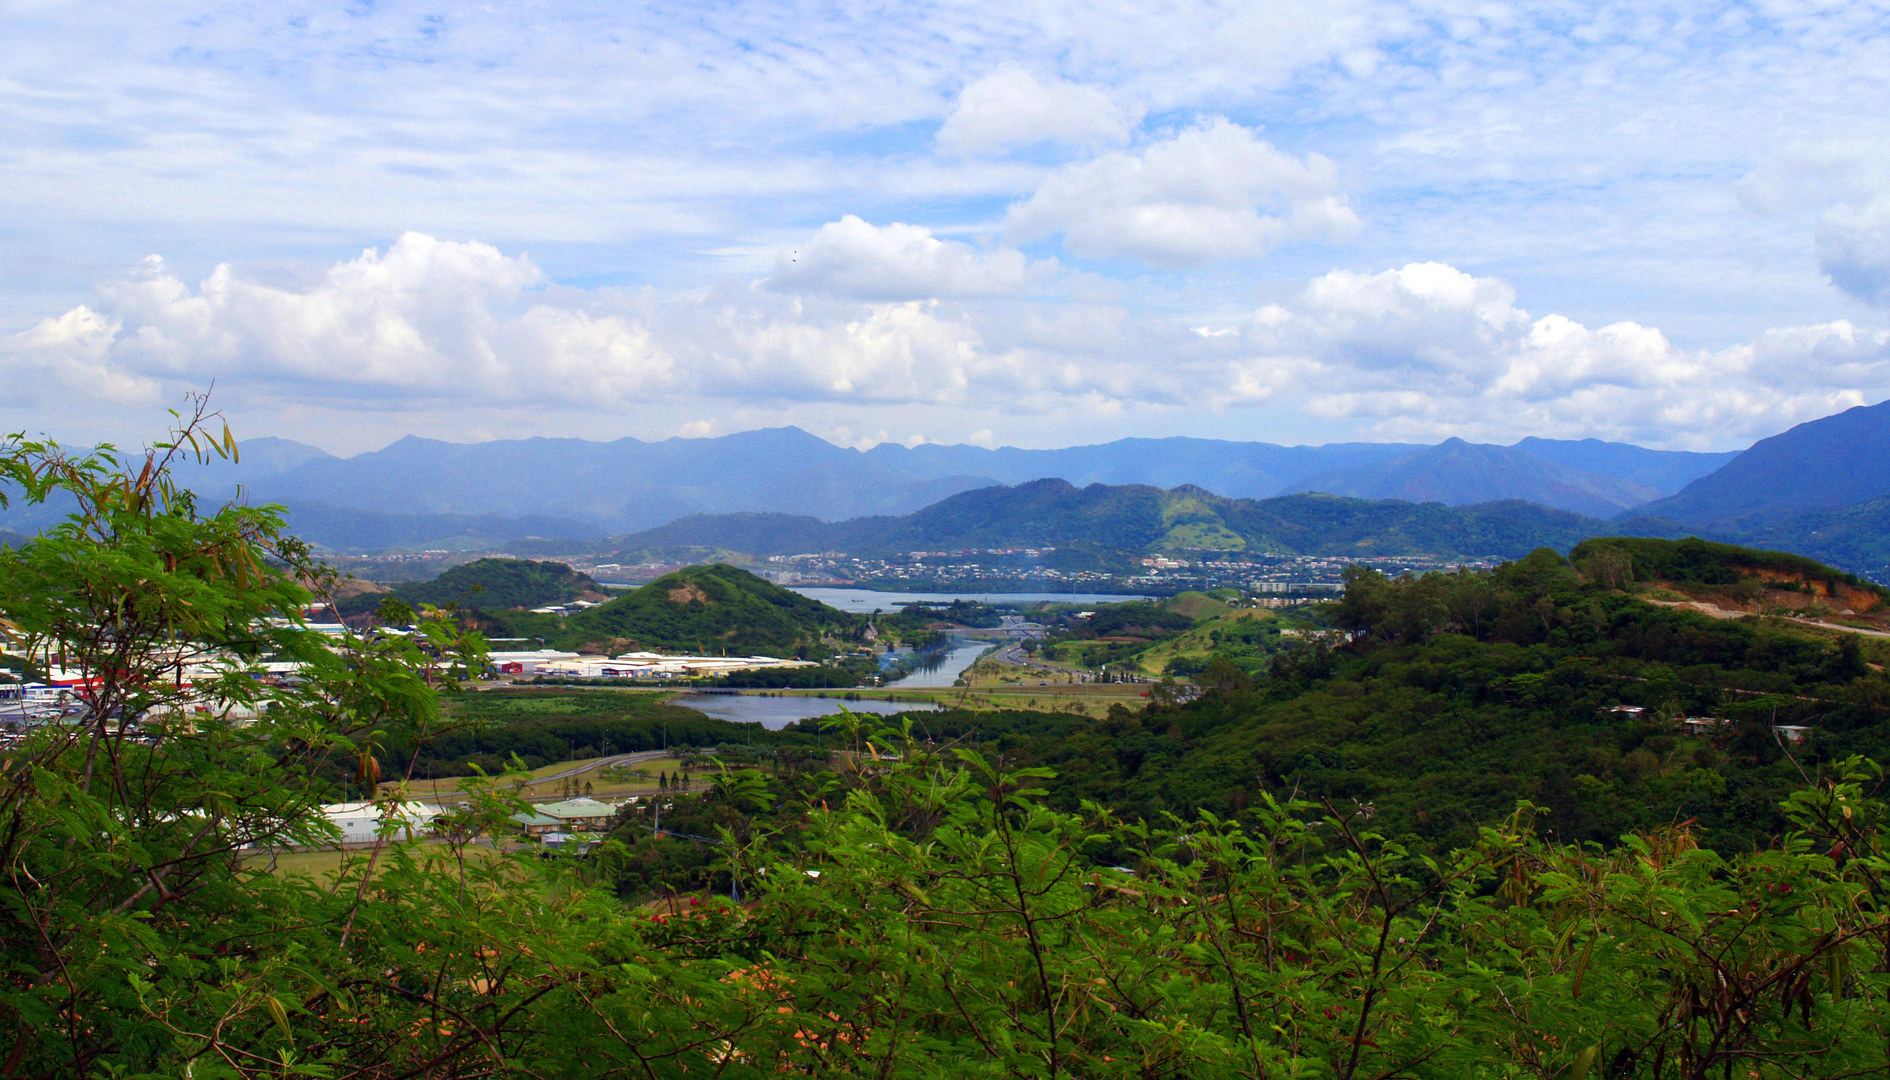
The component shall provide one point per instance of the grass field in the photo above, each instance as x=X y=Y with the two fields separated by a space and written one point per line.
x=320 y=865
x=638 y=779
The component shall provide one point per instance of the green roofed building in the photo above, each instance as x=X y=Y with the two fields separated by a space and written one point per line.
x=537 y=824
x=579 y=815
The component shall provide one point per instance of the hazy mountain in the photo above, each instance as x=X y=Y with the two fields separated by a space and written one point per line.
x=366 y=530
x=579 y=488
x=616 y=486
x=1823 y=464
x=1665 y=471
x=1239 y=469
x=256 y=459
x=1055 y=513
x=1459 y=473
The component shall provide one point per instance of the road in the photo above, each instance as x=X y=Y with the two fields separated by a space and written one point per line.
x=605 y=763
x=1729 y=613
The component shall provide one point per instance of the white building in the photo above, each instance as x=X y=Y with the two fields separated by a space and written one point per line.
x=360 y=822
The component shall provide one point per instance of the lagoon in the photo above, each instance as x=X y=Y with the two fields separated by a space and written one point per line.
x=775 y=713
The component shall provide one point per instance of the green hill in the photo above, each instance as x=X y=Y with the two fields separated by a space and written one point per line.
x=713 y=608
x=1453 y=695
x=1857 y=535
x=1703 y=562
x=1134 y=517
x=1823 y=464
x=501 y=584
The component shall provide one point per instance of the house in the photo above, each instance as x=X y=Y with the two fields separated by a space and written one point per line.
x=1702 y=725
x=1791 y=733
x=537 y=824
x=579 y=815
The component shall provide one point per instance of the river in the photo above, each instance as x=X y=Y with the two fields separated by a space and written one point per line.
x=943 y=666
x=866 y=601
x=775 y=713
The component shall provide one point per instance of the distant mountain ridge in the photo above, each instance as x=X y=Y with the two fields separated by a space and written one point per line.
x=425 y=493
x=1823 y=464
x=1056 y=513
x=504 y=490
x=1459 y=473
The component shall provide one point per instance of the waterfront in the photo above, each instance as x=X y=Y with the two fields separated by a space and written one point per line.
x=866 y=601
x=943 y=666
x=775 y=713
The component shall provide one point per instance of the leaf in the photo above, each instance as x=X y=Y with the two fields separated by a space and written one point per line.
x=1583 y=1060
x=281 y=1017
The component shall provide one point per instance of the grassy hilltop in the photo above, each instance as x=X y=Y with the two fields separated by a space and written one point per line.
x=712 y=608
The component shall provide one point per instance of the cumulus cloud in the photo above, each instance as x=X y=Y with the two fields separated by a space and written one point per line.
x=1854 y=249
x=1209 y=193
x=852 y=258
x=1427 y=349
x=1417 y=352
x=1013 y=108
x=426 y=317
x=71 y=353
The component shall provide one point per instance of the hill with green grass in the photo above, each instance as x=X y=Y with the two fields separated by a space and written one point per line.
x=714 y=609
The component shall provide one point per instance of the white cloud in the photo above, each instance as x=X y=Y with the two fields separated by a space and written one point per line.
x=1209 y=193
x=70 y=355
x=1427 y=350
x=855 y=259
x=427 y=317
x=1418 y=352
x=1013 y=108
x=1854 y=249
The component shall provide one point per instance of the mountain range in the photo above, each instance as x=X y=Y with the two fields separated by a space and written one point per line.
x=1144 y=518
x=427 y=493
x=1823 y=464
x=1819 y=489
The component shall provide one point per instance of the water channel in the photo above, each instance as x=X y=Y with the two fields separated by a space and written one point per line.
x=939 y=668
x=866 y=601
x=775 y=713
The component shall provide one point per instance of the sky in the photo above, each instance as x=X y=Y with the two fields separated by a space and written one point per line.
x=1023 y=223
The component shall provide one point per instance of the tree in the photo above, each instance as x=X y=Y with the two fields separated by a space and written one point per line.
x=127 y=822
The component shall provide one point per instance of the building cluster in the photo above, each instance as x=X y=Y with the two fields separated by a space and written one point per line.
x=61 y=698
x=552 y=664
x=1713 y=727
x=366 y=822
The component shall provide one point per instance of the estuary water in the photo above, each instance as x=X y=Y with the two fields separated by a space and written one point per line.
x=775 y=713
x=943 y=666
x=865 y=601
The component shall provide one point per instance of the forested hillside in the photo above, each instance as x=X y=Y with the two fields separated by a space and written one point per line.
x=1430 y=846
x=1055 y=513
x=501 y=584
x=1448 y=697
x=715 y=608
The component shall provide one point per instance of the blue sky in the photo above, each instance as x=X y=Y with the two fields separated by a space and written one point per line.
x=1028 y=223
